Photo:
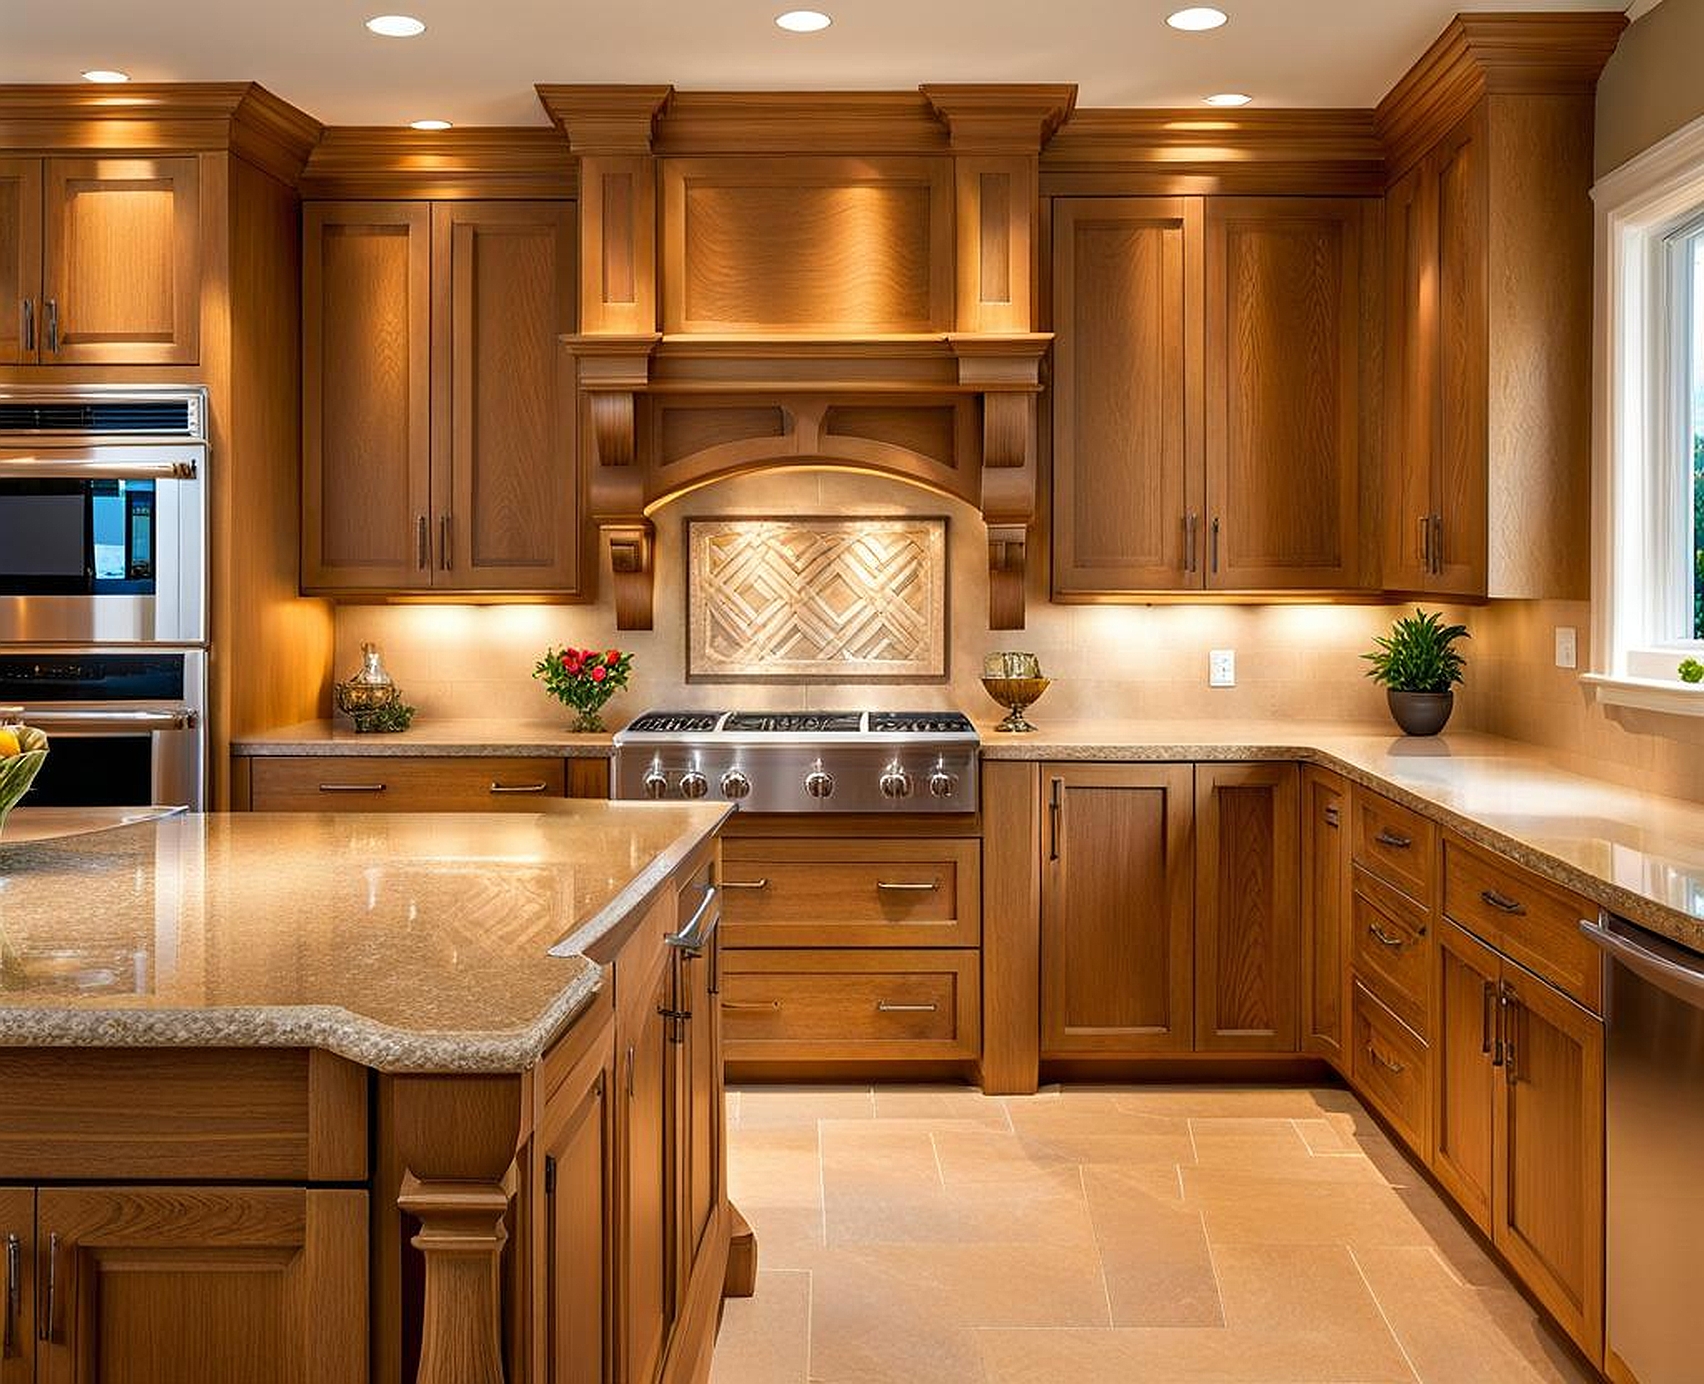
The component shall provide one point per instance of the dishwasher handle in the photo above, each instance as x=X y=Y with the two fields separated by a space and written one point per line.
x=1685 y=981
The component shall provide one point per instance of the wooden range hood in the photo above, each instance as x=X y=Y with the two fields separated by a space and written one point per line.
x=780 y=279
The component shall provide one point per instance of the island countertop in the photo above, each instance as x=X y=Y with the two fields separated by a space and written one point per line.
x=406 y=942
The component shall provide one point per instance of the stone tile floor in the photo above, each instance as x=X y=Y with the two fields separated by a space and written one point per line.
x=1161 y=1234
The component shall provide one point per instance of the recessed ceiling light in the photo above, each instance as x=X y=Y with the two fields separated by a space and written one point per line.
x=429 y=125
x=803 y=21
x=1228 y=98
x=1196 y=18
x=105 y=74
x=396 y=25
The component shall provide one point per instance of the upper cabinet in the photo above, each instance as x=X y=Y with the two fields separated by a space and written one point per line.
x=1215 y=363
x=438 y=424
x=100 y=261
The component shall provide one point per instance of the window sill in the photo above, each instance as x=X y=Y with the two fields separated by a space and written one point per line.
x=1648 y=694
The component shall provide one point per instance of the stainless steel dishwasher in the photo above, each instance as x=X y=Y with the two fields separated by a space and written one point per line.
x=1654 y=1155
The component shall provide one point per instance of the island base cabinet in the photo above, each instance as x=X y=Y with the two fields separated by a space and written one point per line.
x=159 y=1285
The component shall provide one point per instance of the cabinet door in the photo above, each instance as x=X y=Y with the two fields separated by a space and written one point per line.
x=366 y=460
x=1456 y=171
x=505 y=479
x=20 y=260
x=1325 y=900
x=1469 y=1064
x=699 y=1101
x=1247 y=908
x=575 y=1267
x=1547 y=1211
x=1126 y=394
x=1411 y=380
x=1115 y=909
x=646 y=1301
x=1284 y=364
x=157 y=1285
x=123 y=262
x=17 y=1287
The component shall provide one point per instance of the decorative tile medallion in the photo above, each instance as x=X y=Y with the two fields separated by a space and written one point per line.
x=816 y=599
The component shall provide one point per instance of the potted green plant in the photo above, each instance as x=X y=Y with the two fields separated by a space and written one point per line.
x=1418 y=666
x=583 y=680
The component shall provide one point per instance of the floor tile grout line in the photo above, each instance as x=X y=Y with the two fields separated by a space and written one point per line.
x=1100 y=1254
x=810 y=1321
x=1213 y=1264
x=1372 y=1292
x=940 y=1172
x=822 y=1185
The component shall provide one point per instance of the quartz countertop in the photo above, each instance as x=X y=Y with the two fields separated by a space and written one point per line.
x=48 y=823
x=1639 y=854
x=445 y=942
x=427 y=737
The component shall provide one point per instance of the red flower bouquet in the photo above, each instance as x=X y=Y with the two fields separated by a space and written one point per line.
x=583 y=680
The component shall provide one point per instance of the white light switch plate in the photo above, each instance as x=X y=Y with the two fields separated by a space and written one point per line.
x=1222 y=668
x=1567 y=647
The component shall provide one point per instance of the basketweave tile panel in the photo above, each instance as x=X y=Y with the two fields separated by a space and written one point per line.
x=817 y=599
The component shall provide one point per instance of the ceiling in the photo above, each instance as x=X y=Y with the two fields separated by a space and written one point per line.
x=477 y=62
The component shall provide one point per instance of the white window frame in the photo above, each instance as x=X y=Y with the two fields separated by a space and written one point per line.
x=1638 y=425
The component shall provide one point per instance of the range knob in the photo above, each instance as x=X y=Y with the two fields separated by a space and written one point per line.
x=895 y=782
x=819 y=783
x=655 y=784
x=736 y=785
x=941 y=783
x=693 y=784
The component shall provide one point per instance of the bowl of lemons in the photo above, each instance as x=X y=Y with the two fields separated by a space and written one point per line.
x=23 y=750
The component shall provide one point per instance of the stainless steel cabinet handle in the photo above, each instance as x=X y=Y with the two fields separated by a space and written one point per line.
x=1055 y=812
x=49 y=1323
x=26 y=323
x=692 y=937
x=14 y=1296
x=1394 y=1068
x=1394 y=840
x=745 y=884
x=53 y=325
x=1385 y=938
x=1191 y=522
x=352 y=788
x=422 y=543
x=444 y=559
x=883 y=1007
x=1426 y=543
x=906 y=887
x=1213 y=545
x=1485 y=1019
x=1502 y=902
x=1437 y=544
x=520 y=788
x=1509 y=1003
x=751 y=1006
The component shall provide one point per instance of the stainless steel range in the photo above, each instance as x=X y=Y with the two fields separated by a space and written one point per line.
x=814 y=761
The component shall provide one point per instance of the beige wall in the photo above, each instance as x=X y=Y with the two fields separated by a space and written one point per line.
x=1652 y=85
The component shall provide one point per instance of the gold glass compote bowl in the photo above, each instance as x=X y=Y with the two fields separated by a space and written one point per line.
x=1015 y=681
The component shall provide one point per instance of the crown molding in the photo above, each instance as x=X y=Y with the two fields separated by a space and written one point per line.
x=1481 y=55
x=362 y=161
x=1001 y=118
x=800 y=122
x=601 y=119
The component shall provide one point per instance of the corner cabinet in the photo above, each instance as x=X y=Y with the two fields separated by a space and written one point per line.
x=1215 y=393
x=100 y=261
x=438 y=406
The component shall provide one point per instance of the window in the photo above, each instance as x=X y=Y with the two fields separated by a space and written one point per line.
x=1688 y=258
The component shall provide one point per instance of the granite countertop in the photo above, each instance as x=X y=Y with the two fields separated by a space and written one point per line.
x=443 y=942
x=1638 y=854
x=428 y=737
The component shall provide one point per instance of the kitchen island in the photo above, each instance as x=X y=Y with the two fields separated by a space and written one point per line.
x=352 y=1077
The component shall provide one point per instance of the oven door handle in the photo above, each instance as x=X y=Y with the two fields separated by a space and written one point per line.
x=32 y=467
x=148 y=719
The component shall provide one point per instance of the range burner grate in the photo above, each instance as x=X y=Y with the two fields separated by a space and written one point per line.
x=810 y=722
x=921 y=722
x=677 y=722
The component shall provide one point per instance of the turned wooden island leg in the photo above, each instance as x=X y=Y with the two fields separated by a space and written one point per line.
x=457 y=1136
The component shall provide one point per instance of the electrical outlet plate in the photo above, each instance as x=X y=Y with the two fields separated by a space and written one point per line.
x=1222 y=668
x=1567 y=647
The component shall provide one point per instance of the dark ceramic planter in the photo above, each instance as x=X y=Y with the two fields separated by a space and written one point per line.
x=1420 y=713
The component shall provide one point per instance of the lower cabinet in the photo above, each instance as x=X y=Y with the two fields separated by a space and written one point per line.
x=415 y=783
x=160 y=1284
x=645 y=1270
x=1325 y=904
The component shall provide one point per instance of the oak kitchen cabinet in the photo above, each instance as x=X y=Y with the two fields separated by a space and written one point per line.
x=1489 y=250
x=100 y=261
x=413 y=783
x=1325 y=911
x=1215 y=368
x=438 y=402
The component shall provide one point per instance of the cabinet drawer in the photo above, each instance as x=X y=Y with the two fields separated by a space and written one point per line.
x=1387 y=1064
x=403 y=783
x=853 y=1005
x=1396 y=844
x=1391 y=948
x=851 y=893
x=1534 y=922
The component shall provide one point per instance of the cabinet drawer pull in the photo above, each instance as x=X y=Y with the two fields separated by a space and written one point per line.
x=520 y=788
x=49 y=1324
x=352 y=788
x=883 y=1007
x=745 y=884
x=1384 y=938
x=751 y=1006
x=1502 y=902
x=1055 y=812
x=26 y=328
x=14 y=1296
x=1333 y=817
x=1509 y=1003
x=1395 y=840
x=1394 y=1068
x=907 y=887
